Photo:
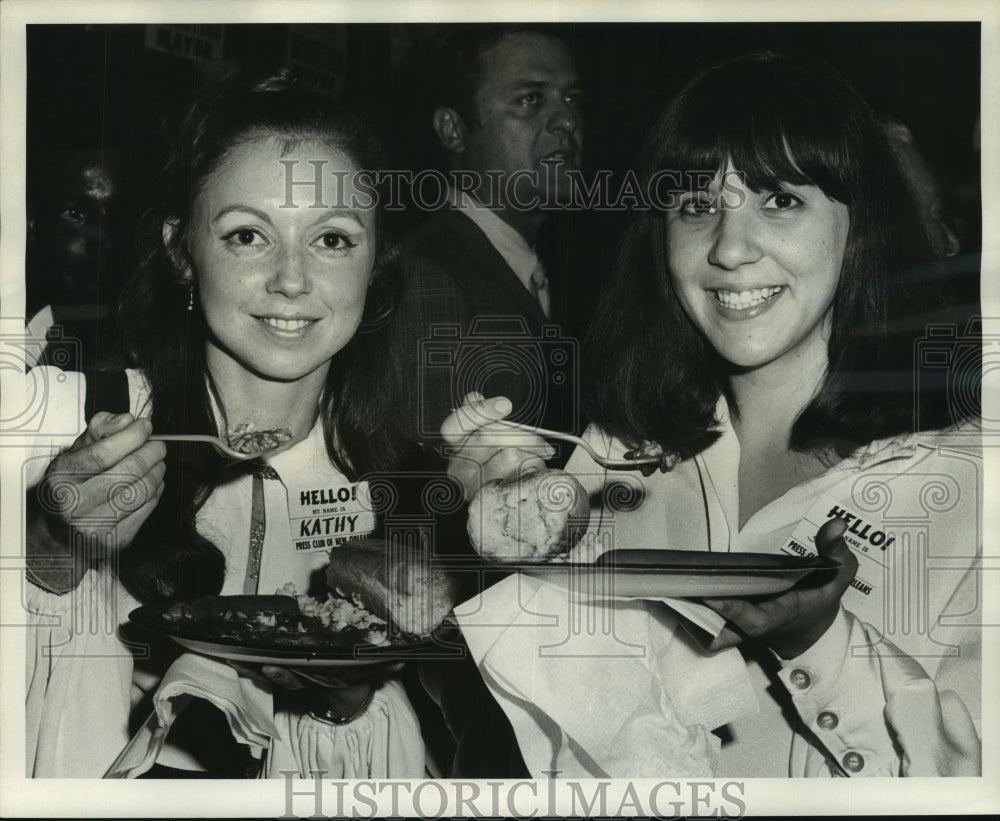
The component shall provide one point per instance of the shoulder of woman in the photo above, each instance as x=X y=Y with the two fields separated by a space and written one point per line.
x=965 y=438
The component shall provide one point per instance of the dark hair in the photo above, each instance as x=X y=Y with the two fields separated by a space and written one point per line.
x=649 y=372
x=457 y=68
x=168 y=557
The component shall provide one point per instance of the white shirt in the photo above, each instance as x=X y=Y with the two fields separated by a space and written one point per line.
x=80 y=675
x=915 y=525
x=35 y=330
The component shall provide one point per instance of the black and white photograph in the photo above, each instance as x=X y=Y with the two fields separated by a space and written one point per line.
x=578 y=411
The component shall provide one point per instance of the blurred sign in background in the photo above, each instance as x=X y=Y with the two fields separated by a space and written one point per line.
x=193 y=42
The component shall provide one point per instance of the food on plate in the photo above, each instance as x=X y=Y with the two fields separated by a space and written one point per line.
x=537 y=515
x=247 y=439
x=336 y=613
x=287 y=619
x=649 y=449
x=399 y=583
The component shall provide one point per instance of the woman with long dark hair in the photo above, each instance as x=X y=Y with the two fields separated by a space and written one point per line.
x=778 y=324
x=258 y=314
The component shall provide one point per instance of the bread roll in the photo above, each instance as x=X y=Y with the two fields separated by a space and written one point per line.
x=532 y=517
x=399 y=585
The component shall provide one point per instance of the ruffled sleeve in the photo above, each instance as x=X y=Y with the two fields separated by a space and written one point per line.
x=383 y=742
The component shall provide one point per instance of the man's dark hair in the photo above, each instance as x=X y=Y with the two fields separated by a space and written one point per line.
x=456 y=64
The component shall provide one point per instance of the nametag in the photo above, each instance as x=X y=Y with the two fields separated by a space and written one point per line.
x=324 y=516
x=868 y=541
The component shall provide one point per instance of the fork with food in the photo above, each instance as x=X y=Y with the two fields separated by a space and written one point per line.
x=244 y=442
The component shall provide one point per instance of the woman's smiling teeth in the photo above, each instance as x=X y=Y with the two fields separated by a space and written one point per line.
x=746 y=299
x=286 y=324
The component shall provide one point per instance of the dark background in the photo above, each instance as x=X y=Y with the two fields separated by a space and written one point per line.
x=102 y=85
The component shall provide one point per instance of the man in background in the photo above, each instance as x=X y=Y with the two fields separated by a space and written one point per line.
x=481 y=310
x=74 y=260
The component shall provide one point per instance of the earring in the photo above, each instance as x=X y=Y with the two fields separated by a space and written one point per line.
x=191 y=294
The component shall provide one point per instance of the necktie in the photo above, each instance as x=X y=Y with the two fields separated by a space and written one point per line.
x=540 y=287
x=258 y=522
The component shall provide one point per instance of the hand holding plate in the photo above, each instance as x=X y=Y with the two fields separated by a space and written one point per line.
x=791 y=622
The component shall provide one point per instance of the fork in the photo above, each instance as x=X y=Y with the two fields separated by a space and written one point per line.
x=583 y=443
x=221 y=446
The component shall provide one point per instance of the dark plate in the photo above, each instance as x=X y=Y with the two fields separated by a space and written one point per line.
x=655 y=574
x=204 y=630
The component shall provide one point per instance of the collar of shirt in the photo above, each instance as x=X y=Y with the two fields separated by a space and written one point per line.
x=516 y=252
x=707 y=487
x=35 y=331
x=721 y=471
x=226 y=518
x=40 y=323
x=308 y=458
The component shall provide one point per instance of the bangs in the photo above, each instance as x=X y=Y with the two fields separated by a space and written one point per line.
x=773 y=127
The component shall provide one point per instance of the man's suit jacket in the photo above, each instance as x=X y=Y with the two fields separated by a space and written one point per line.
x=466 y=322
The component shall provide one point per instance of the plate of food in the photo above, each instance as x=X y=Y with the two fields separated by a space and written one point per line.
x=287 y=629
x=655 y=574
x=532 y=524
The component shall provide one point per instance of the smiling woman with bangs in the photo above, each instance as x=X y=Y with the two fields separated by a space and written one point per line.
x=776 y=123
x=777 y=330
